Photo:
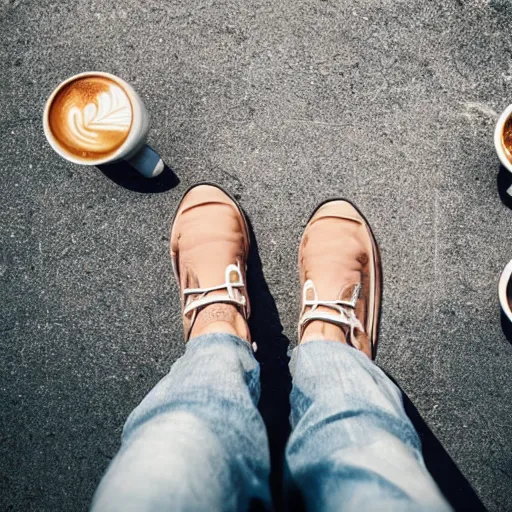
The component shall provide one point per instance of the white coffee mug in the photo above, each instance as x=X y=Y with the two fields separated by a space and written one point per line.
x=134 y=149
x=498 y=138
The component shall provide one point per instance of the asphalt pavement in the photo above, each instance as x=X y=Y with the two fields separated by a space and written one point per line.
x=389 y=103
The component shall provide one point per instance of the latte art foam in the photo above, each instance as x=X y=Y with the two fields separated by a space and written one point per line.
x=91 y=117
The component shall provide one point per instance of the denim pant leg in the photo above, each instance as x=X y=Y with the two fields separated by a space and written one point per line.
x=352 y=446
x=197 y=441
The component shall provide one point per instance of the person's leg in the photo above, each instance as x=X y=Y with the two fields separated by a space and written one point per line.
x=197 y=441
x=352 y=446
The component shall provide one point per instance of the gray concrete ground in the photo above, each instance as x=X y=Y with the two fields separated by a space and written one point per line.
x=390 y=103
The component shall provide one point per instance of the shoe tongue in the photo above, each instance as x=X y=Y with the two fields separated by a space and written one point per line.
x=206 y=273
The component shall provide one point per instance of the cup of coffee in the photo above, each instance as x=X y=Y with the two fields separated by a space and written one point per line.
x=503 y=138
x=96 y=118
x=505 y=298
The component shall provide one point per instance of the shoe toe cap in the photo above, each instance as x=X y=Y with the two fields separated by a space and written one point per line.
x=338 y=208
x=203 y=194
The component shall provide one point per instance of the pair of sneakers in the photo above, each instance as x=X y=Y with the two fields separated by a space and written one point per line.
x=339 y=265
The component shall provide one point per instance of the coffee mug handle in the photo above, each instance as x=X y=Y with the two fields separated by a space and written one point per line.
x=147 y=161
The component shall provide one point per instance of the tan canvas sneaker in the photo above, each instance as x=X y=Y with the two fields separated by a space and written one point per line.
x=209 y=250
x=340 y=274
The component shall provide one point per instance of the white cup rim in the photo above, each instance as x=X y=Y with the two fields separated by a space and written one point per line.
x=498 y=137
x=502 y=290
x=120 y=152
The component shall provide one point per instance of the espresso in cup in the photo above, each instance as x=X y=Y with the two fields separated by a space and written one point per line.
x=91 y=117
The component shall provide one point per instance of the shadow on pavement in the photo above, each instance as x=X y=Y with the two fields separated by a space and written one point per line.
x=123 y=174
x=267 y=332
x=454 y=486
x=504 y=183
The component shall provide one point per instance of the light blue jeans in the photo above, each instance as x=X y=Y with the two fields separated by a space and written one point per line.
x=198 y=443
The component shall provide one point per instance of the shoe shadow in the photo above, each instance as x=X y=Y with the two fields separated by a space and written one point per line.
x=276 y=382
x=452 y=483
x=123 y=174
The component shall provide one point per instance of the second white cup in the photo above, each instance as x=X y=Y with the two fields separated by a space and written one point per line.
x=498 y=138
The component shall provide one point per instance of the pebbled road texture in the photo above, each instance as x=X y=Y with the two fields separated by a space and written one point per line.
x=389 y=103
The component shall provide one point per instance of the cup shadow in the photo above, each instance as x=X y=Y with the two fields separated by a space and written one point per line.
x=506 y=326
x=504 y=182
x=123 y=174
x=272 y=354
